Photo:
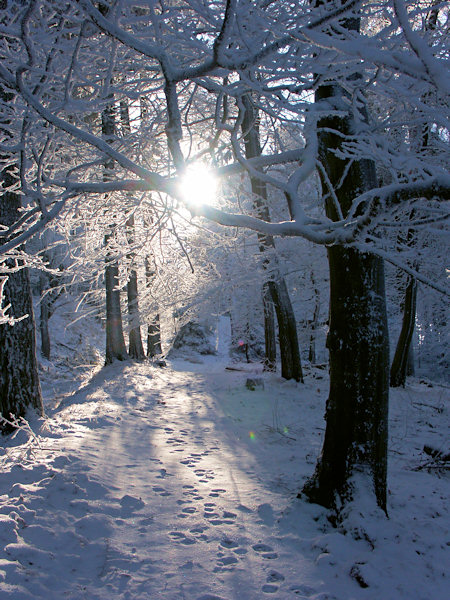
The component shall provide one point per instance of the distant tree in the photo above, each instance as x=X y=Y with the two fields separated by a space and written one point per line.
x=154 y=326
x=135 y=346
x=115 y=343
x=401 y=361
x=275 y=291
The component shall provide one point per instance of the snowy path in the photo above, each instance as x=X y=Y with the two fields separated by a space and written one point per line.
x=179 y=484
x=150 y=502
x=198 y=495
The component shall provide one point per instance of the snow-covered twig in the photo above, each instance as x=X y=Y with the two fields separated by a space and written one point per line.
x=33 y=442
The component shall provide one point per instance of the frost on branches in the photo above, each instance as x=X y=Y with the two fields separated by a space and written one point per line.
x=353 y=93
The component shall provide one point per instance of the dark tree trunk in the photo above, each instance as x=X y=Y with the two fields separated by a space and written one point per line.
x=19 y=379
x=287 y=329
x=136 y=348
x=115 y=343
x=270 y=362
x=44 y=316
x=403 y=361
x=153 y=329
x=402 y=357
x=291 y=367
x=154 y=338
x=314 y=323
x=357 y=407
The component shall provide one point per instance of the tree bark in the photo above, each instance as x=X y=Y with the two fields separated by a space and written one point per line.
x=270 y=340
x=44 y=316
x=115 y=343
x=291 y=367
x=314 y=323
x=135 y=348
x=357 y=407
x=153 y=328
x=401 y=362
x=154 y=338
x=19 y=379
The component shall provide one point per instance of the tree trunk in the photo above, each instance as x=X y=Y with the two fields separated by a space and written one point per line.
x=153 y=329
x=401 y=361
x=270 y=362
x=357 y=407
x=287 y=328
x=154 y=338
x=44 y=316
x=291 y=367
x=314 y=323
x=136 y=348
x=19 y=379
x=115 y=343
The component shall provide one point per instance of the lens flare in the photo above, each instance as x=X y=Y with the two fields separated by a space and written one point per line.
x=198 y=185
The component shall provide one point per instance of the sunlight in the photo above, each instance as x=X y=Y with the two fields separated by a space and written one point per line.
x=199 y=185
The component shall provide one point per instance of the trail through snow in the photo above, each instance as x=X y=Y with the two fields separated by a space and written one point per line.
x=180 y=483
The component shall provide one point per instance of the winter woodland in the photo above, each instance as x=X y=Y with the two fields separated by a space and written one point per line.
x=224 y=288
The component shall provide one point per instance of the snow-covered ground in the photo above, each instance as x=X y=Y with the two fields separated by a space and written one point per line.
x=180 y=483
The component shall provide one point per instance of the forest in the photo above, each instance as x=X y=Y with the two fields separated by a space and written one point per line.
x=224 y=291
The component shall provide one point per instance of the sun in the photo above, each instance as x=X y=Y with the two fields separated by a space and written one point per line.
x=198 y=185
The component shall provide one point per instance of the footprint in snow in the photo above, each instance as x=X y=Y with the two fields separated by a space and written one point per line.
x=174 y=441
x=215 y=493
x=225 y=563
x=197 y=532
x=189 y=510
x=161 y=491
x=193 y=494
x=233 y=546
x=265 y=551
x=227 y=543
x=186 y=512
x=273 y=578
x=163 y=474
x=180 y=537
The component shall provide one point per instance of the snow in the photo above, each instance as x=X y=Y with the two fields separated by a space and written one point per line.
x=180 y=483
